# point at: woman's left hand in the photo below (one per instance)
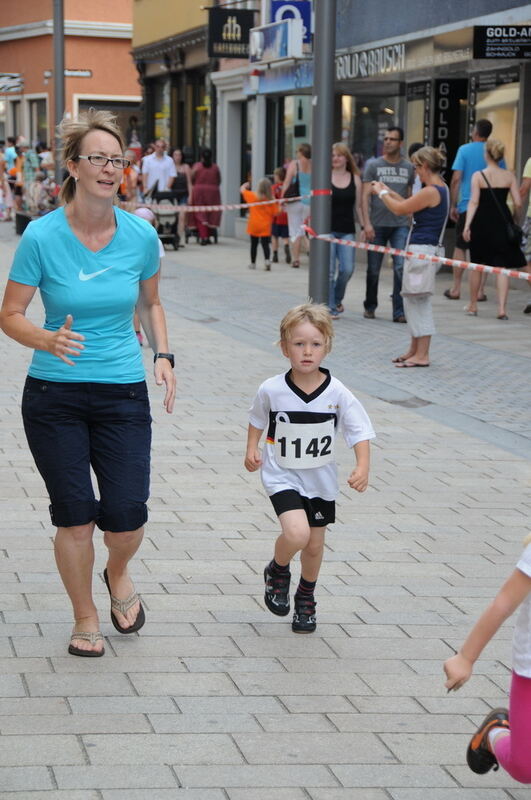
(164, 374)
(466, 234)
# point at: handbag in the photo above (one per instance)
(294, 188)
(419, 274)
(513, 232)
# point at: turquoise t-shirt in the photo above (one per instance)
(100, 290)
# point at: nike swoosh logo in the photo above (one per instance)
(84, 277)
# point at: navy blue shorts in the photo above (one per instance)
(280, 231)
(71, 427)
(319, 512)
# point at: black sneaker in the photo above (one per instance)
(304, 615)
(275, 258)
(276, 596)
(479, 757)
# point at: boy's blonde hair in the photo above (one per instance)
(264, 189)
(527, 539)
(317, 315)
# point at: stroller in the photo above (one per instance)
(167, 216)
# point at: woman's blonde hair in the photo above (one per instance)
(342, 149)
(317, 315)
(264, 190)
(73, 131)
(495, 149)
(431, 157)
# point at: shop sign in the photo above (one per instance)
(502, 41)
(447, 96)
(421, 90)
(229, 32)
(297, 9)
(368, 63)
(11, 82)
(277, 41)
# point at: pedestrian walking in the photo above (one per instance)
(382, 226)
(260, 219)
(280, 228)
(504, 736)
(301, 411)
(346, 207)
(430, 208)
(298, 183)
(85, 401)
(488, 225)
(525, 196)
(470, 157)
(206, 180)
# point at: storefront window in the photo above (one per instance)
(500, 106)
(38, 121)
(372, 118)
(297, 123)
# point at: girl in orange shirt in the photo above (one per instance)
(260, 220)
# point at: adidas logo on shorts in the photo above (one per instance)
(318, 515)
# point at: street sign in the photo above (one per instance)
(296, 9)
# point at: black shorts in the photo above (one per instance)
(319, 513)
(459, 228)
(280, 231)
(71, 427)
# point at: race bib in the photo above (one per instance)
(304, 446)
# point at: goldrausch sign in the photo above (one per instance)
(228, 32)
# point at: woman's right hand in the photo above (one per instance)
(66, 341)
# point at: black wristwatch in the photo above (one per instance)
(169, 356)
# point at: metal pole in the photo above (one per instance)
(58, 78)
(322, 133)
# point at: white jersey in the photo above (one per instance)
(522, 630)
(301, 431)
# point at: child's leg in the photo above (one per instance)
(295, 535)
(266, 245)
(274, 244)
(254, 248)
(312, 555)
(304, 620)
(513, 750)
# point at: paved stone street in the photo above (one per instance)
(216, 699)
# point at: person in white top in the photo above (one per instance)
(504, 736)
(158, 170)
(301, 411)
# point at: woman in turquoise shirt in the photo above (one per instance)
(299, 210)
(85, 400)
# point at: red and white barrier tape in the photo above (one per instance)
(450, 262)
(231, 206)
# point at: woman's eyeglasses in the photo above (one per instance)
(102, 161)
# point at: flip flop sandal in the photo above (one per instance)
(123, 607)
(398, 360)
(410, 365)
(93, 638)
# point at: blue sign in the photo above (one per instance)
(296, 9)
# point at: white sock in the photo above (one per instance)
(493, 733)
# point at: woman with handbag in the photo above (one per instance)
(429, 208)
(489, 227)
(296, 184)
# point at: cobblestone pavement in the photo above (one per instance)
(216, 699)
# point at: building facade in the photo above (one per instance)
(170, 53)
(411, 65)
(99, 70)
